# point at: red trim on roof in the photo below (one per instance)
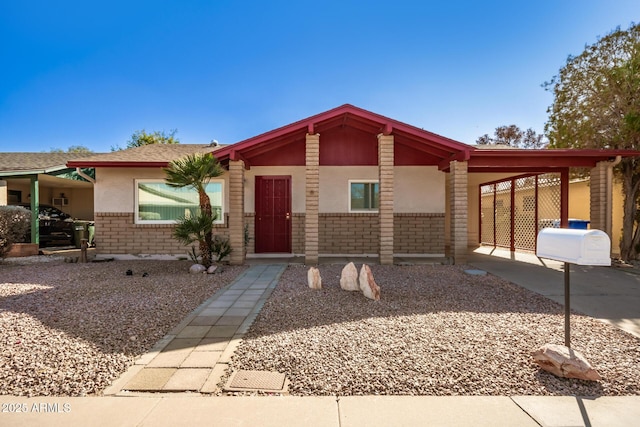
(360, 118)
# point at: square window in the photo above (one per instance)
(364, 196)
(159, 203)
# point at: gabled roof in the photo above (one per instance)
(35, 163)
(154, 155)
(358, 127)
(349, 116)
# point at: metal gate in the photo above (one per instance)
(513, 210)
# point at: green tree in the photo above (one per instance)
(195, 171)
(77, 149)
(513, 136)
(141, 137)
(597, 105)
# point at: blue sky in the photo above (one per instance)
(91, 73)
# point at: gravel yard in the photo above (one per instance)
(435, 331)
(71, 329)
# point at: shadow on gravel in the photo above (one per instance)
(435, 331)
(102, 304)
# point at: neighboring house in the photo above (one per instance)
(579, 191)
(343, 182)
(45, 178)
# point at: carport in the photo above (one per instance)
(44, 178)
(515, 192)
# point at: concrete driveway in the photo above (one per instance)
(606, 293)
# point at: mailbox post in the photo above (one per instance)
(581, 247)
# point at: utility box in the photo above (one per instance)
(582, 247)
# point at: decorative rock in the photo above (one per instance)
(314, 279)
(212, 269)
(368, 285)
(564, 362)
(197, 268)
(349, 278)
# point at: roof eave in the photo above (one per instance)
(118, 164)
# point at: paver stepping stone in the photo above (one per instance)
(212, 312)
(231, 320)
(222, 331)
(244, 304)
(204, 321)
(170, 359)
(220, 304)
(150, 379)
(212, 344)
(201, 359)
(215, 378)
(187, 380)
(193, 332)
(181, 344)
(236, 312)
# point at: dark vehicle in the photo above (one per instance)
(56, 227)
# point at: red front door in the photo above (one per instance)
(273, 214)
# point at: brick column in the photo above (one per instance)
(236, 211)
(458, 211)
(385, 209)
(600, 195)
(312, 185)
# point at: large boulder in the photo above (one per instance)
(349, 278)
(564, 362)
(314, 279)
(368, 285)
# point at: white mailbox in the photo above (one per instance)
(582, 247)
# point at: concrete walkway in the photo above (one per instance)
(189, 362)
(194, 356)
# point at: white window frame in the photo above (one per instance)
(361, 181)
(136, 205)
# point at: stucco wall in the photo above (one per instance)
(115, 188)
(416, 189)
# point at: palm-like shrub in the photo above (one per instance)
(196, 170)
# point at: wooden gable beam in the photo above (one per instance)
(236, 155)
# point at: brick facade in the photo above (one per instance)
(116, 233)
(349, 233)
(340, 233)
(418, 233)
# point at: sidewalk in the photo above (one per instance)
(169, 385)
(329, 411)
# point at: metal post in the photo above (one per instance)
(567, 308)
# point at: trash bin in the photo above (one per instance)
(578, 224)
(80, 231)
